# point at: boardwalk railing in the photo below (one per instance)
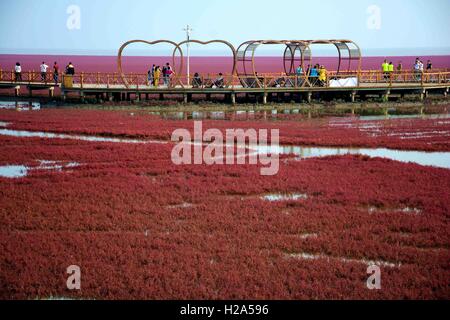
(138, 81)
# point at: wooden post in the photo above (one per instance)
(233, 98)
(51, 92)
(81, 80)
(17, 91)
(265, 98)
(353, 96)
(309, 97)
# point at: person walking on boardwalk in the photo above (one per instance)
(322, 76)
(390, 70)
(399, 70)
(430, 69)
(156, 76)
(150, 75)
(55, 72)
(169, 73)
(165, 75)
(385, 69)
(17, 72)
(314, 75)
(418, 69)
(44, 68)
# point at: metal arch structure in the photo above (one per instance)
(119, 57)
(296, 51)
(232, 48)
(245, 60)
(348, 51)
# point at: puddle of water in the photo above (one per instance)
(181, 205)
(308, 235)
(4, 124)
(437, 159)
(37, 134)
(405, 116)
(13, 171)
(309, 256)
(19, 171)
(273, 197)
(407, 210)
(20, 105)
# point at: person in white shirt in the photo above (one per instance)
(18, 72)
(418, 69)
(44, 68)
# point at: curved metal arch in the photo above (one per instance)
(342, 46)
(241, 55)
(233, 50)
(292, 48)
(123, 46)
(250, 47)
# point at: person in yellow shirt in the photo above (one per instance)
(322, 75)
(156, 76)
(385, 68)
(390, 69)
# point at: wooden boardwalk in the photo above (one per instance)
(137, 87)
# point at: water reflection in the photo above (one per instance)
(275, 114)
(20, 105)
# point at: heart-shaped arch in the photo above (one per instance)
(119, 57)
(233, 51)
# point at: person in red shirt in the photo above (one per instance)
(55, 72)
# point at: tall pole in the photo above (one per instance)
(188, 38)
